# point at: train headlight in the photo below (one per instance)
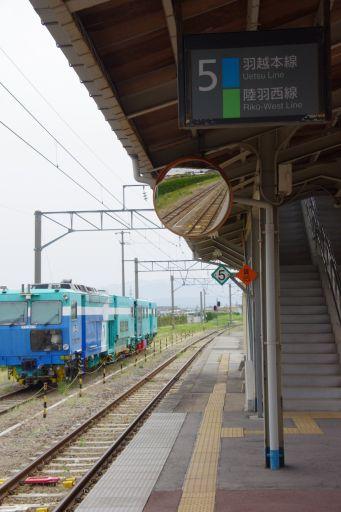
(66, 346)
(65, 297)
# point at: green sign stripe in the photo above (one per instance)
(231, 103)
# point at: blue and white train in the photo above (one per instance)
(48, 331)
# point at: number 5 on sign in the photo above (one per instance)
(203, 71)
(221, 274)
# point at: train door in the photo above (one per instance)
(84, 333)
(112, 331)
(138, 320)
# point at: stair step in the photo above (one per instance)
(307, 358)
(312, 348)
(301, 292)
(311, 392)
(297, 268)
(311, 380)
(308, 328)
(323, 337)
(302, 301)
(305, 319)
(311, 369)
(303, 276)
(317, 404)
(298, 283)
(300, 309)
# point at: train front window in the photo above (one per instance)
(47, 340)
(13, 313)
(46, 312)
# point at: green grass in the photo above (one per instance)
(165, 199)
(221, 321)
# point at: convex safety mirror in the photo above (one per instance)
(192, 197)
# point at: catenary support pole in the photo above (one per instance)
(172, 299)
(37, 246)
(122, 263)
(136, 265)
(204, 303)
(201, 310)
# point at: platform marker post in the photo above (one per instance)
(80, 378)
(45, 400)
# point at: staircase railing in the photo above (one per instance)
(324, 248)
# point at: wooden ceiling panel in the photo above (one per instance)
(294, 14)
(146, 81)
(117, 12)
(229, 19)
(140, 65)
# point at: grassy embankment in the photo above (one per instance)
(220, 321)
(170, 191)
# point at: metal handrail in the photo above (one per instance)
(324, 248)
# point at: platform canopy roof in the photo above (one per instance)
(125, 54)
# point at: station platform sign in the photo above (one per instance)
(273, 76)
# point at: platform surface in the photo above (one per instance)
(200, 452)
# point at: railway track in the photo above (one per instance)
(78, 459)
(13, 399)
(177, 212)
(196, 214)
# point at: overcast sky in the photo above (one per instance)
(30, 183)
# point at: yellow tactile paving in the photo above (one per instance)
(306, 425)
(201, 478)
(224, 363)
(317, 415)
(232, 432)
(287, 431)
(250, 432)
(291, 430)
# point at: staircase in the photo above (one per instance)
(310, 363)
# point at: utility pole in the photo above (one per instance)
(136, 265)
(122, 242)
(201, 316)
(204, 306)
(172, 299)
(37, 247)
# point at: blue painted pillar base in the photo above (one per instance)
(268, 458)
(274, 459)
(281, 458)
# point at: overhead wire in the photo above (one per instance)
(79, 185)
(103, 187)
(59, 143)
(49, 104)
(68, 151)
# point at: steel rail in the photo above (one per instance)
(36, 394)
(204, 216)
(179, 210)
(80, 486)
(10, 484)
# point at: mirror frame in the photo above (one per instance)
(210, 164)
